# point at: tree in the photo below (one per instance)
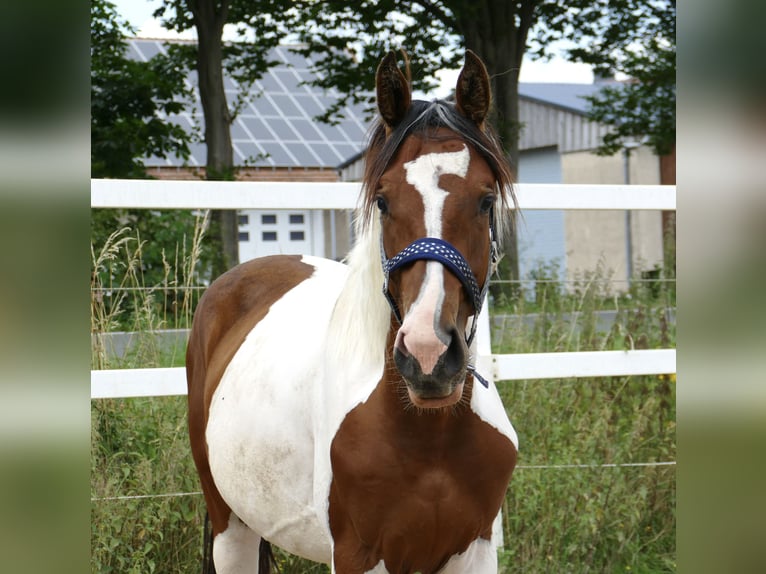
(639, 41)
(244, 62)
(130, 103)
(347, 40)
(128, 98)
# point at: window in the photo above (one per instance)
(297, 236)
(269, 236)
(244, 219)
(269, 219)
(244, 236)
(296, 218)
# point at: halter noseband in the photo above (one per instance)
(435, 249)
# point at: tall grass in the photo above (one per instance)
(121, 300)
(140, 446)
(559, 517)
(556, 517)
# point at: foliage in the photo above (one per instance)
(347, 40)
(139, 446)
(594, 518)
(128, 101)
(638, 39)
(244, 62)
(591, 519)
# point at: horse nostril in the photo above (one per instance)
(454, 358)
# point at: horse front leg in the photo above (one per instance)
(238, 550)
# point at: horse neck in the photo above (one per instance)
(361, 317)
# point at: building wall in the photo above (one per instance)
(596, 238)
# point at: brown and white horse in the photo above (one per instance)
(346, 425)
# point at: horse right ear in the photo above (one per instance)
(393, 92)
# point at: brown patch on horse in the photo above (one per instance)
(472, 93)
(228, 311)
(413, 487)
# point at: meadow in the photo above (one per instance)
(594, 490)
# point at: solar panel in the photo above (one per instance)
(278, 120)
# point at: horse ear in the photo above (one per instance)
(472, 92)
(393, 91)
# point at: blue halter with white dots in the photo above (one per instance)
(435, 249)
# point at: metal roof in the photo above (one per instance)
(567, 96)
(276, 128)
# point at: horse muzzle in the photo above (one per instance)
(433, 371)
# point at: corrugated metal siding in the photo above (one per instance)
(543, 126)
(546, 125)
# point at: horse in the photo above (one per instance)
(333, 408)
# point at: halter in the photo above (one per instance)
(435, 249)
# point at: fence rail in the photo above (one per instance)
(167, 194)
(162, 194)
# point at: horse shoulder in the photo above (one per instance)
(229, 310)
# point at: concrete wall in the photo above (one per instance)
(594, 237)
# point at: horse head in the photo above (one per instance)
(441, 185)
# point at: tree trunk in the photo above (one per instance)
(668, 177)
(497, 31)
(209, 19)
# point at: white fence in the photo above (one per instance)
(157, 194)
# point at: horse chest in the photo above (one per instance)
(413, 498)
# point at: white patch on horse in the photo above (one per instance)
(380, 568)
(235, 550)
(262, 427)
(479, 558)
(488, 406)
(420, 334)
(423, 174)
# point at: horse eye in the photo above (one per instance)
(486, 203)
(380, 201)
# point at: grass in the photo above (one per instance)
(555, 519)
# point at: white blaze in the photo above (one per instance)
(419, 326)
(423, 174)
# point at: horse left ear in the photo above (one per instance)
(472, 92)
(393, 92)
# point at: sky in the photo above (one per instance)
(139, 14)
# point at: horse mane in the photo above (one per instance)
(423, 119)
(360, 320)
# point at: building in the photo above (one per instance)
(275, 138)
(556, 146)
